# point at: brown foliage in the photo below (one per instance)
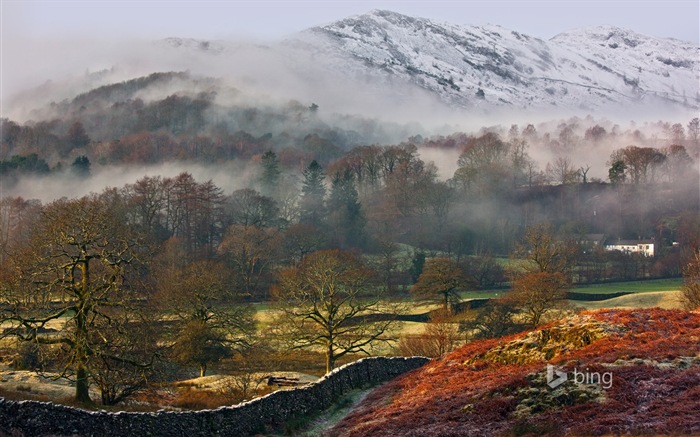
(690, 296)
(537, 293)
(441, 281)
(462, 394)
(439, 337)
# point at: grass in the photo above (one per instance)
(653, 285)
(315, 425)
(466, 295)
(648, 299)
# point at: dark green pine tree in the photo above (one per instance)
(616, 173)
(81, 166)
(313, 193)
(269, 180)
(345, 211)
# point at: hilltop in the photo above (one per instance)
(647, 362)
(383, 63)
(486, 67)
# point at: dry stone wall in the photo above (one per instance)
(32, 418)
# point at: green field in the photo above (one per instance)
(673, 284)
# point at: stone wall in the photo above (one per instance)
(32, 418)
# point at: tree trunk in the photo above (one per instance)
(330, 358)
(202, 369)
(82, 385)
(82, 392)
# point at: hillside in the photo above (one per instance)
(647, 362)
(482, 67)
(394, 66)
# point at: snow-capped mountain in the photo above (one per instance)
(386, 64)
(487, 66)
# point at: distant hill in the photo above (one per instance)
(627, 372)
(491, 66)
(383, 63)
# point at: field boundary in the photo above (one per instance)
(268, 412)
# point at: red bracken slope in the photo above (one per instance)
(651, 359)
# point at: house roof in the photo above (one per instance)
(628, 242)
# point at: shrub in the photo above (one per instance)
(27, 357)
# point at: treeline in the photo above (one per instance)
(157, 277)
(387, 202)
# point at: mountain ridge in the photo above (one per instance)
(513, 69)
(384, 62)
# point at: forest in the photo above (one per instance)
(320, 236)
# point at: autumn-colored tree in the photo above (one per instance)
(537, 293)
(79, 268)
(300, 240)
(640, 162)
(17, 216)
(441, 281)
(76, 136)
(327, 302)
(212, 316)
(148, 198)
(179, 207)
(595, 133)
(495, 319)
(483, 165)
(440, 336)
(690, 296)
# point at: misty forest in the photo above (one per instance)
(170, 226)
(270, 211)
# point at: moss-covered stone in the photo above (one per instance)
(548, 343)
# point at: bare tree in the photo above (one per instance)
(328, 302)
(79, 270)
(563, 171)
(544, 251)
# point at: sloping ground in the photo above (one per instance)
(650, 299)
(642, 369)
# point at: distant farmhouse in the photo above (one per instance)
(592, 241)
(645, 247)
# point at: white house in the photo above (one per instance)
(645, 247)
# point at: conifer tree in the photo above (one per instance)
(269, 180)
(312, 207)
(345, 210)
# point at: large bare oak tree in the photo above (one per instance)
(328, 302)
(77, 273)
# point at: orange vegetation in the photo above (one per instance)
(653, 356)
